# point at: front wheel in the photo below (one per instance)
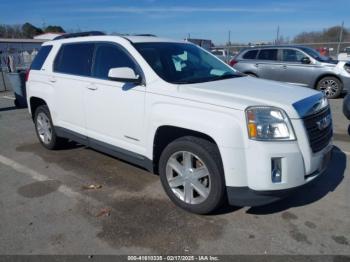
(330, 86)
(191, 173)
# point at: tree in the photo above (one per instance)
(54, 29)
(29, 31)
(330, 34)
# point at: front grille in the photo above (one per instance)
(318, 139)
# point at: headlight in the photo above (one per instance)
(268, 123)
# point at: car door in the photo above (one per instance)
(114, 110)
(72, 68)
(268, 65)
(294, 70)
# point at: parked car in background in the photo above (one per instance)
(346, 106)
(347, 50)
(297, 65)
(345, 56)
(224, 54)
(210, 132)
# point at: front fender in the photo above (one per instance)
(224, 127)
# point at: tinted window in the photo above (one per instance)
(290, 55)
(40, 58)
(75, 59)
(268, 54)
(250, 54)
(110, 56)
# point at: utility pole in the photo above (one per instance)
(278, 35)
(229, 37)
(340, 37)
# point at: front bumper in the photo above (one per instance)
(245, 196)
(346, 106)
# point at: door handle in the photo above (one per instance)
(52, 80)
(256, 65)
(284, 67)
(92, 87)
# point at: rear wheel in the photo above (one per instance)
(330, 86)
(191, 173)
(45, 129)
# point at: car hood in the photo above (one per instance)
(242, 92)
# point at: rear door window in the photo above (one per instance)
(110, 56)
(268, 54)
(250, 54)
(40, 58)
(75, 59)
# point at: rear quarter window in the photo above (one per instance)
(250, 54)
(75, 59)
(40, 58)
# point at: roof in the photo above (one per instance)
(133, 39)
(274, 46)
(47, 36)
(148, 39)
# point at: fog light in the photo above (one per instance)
(276, 170)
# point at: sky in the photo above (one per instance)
(249, 21)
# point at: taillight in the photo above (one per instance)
(27, 75)
(233, 62)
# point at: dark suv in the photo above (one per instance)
(297, 65)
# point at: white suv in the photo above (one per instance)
(211, 133)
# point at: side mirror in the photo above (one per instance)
(305, 60)
(124, 74)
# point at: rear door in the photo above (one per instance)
(268, 65)
(72, 69)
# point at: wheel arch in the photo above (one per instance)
(34, 103)
(166, 134)
(250, 73)
(318, 79)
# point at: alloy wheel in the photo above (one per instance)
(43, 126)
(329, 87)
(188, 177)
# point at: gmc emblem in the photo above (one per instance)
(324, 122)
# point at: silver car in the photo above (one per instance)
(296, 65)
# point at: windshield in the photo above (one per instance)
(314, 54)
(182, 63)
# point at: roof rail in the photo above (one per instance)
(89, 33)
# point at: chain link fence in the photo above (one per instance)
(15, 56)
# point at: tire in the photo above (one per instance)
(330, 86)
(44, 126)
(207, 189)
